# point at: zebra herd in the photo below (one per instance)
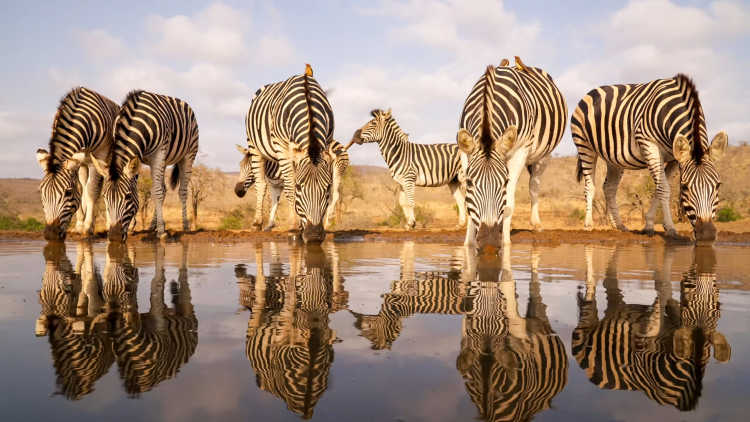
(513, 117)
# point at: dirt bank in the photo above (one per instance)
(550, 237)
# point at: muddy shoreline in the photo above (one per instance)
(547, 237)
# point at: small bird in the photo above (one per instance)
(519, 64)
(504, 62)
(308, 70)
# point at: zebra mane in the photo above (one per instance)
(67, 103)
(127, 104)
(313, 148)
(486, 135)
(696, 113)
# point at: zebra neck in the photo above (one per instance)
(393, 145)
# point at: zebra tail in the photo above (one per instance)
(174, 178)
(579, 169)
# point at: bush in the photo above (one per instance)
(422, 216)
(577, 214)
(14, 223)
(233, 220)
(726, 214)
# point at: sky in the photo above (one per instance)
(418, 57)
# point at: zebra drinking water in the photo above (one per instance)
(513, 118)
(657, 125)
(82, 128)
(413, 164)
(159, 131)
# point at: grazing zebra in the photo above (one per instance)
(513, 118)
(291, 122)
(159, 131)
(80, 354)
(151, 347)
(289, 343)
(413, 164)
(661, 350)
(657, 125)
(274, 178)
(81, 129)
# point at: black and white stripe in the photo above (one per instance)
(291, 122)
(513, 118)
(413, 164)
(82, 128)
(159, 131)
(657, 125)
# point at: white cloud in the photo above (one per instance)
(99, 45)
(274, 51)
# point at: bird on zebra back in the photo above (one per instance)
(661, 349)
(411, 164)
(81, 130)
(289, 342)
(71, 319)
(512, 119)
(291, 122)
(657, 125)
(156, 130)
(275, 181)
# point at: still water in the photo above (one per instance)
(372, 332)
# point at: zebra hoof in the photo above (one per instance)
(647, 231)
(672, 234)
(268, 228)
(588, 228)
(621, 227)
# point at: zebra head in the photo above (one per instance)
(120, 197)
(699, 183)
(375, 129)
(246, 178)
(312, 191)
(60, 191)
(486, 179)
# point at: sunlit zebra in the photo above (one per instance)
(660, 349)
(412, 164)
(291, 122)
(275, 181)
(156, 130)
(513, 118)
(657, 125)
(82, 128)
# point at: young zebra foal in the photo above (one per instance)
(159, 131)
(413, 164)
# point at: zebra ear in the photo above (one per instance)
(387, 114)
(507, 141)
(718, 146)
(682, 149)
(100, 166)
(41, 157)
(682, 343)
(296, 152)
(132, 168)
(243, 150)
(722, 349)
(466, 142)
(75, 161)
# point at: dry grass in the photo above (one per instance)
(369, 199)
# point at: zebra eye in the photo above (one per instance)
(469, 182)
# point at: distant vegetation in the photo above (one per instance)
(727, 213)
(30, 224)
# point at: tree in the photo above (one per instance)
(144, 192)
(202, 183)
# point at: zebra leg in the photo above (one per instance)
(535, 180)
(158, 189)
(406, 199)
(589, 190)
(336, 185)
(471, 233)
(83, 176)
(611, 183)
(662, 192)
(259, 171)
(158, 307)
(186, 169)
(459, 194)
(275, 197)
(91, 195)
(515, 165)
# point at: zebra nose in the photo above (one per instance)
(357, 137)
(239, 189)
(116, 232)
(54, 231)
(704, 231)
(313, 233)
(488, 237)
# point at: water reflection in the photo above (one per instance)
(512, 365)
(289, 343)
(93, 321)
(660, 349)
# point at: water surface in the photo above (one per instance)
(372, 331)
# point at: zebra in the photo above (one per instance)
(412, 164)
(513, 117)
(81, 129)
(151, 347)
(159, 131)
(657, 125)
(80, 354)
(289, 343)
(661, 350)
(274, 179)
(291, 122)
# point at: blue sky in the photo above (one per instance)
(418, 57)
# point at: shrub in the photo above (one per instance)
(233, 220)
(726, 214)
(422, 215)
(14, 223)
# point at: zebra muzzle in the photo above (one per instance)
(704, 231)
(239, 189)
(488, 237)
(54, 231)
(116, 232)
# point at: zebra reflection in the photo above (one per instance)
(512, 365)
(660, 349)
(289, 343)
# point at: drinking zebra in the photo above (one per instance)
(513, 118)
(81, 129)
(661, 350)
(413, 164)
(274, 179)
(291, 122)
(657, 125)
(159, 131)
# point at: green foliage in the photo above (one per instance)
(422, 216)
(577, 214)
(727, 213)
(233, 220)
(14, 223)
